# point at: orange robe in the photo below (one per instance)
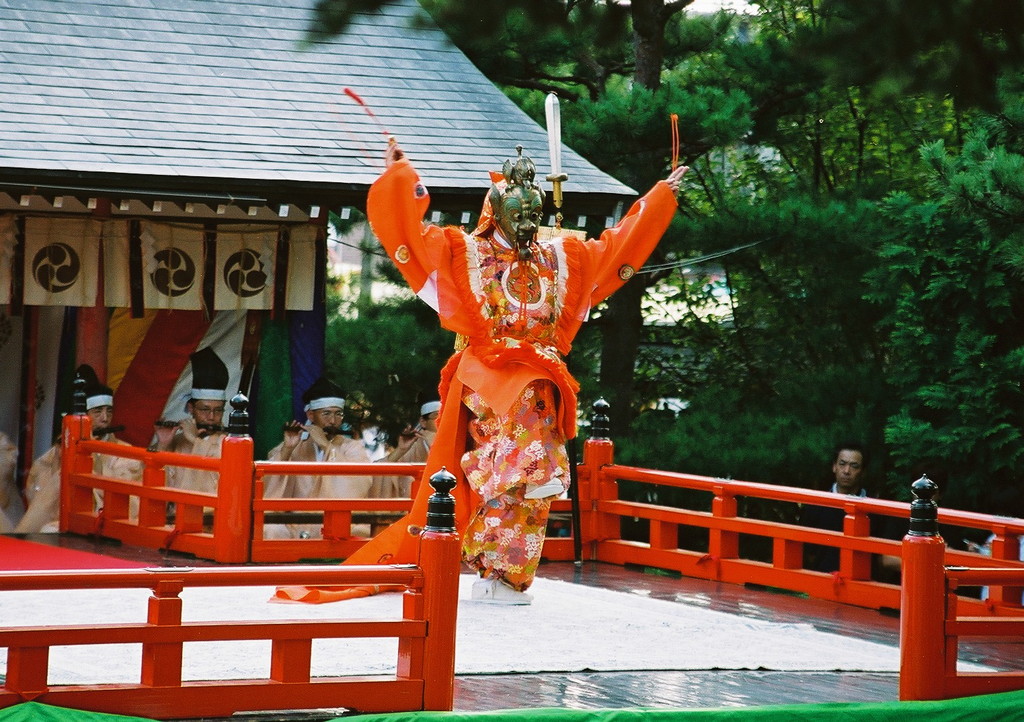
(515, 335)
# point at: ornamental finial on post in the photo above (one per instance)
(923, 510)
(600, 426)
(238, 419)
(441, 504)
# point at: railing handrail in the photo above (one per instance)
(336, 468)
(155, 459)
(867, 504)
(150, 577)
(984, 576)
(425, 630)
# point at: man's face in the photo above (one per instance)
(848, 467)
(100, 416)
(327, 417)
(519, 214)
(205, 411)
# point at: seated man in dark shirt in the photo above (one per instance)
(848, 471)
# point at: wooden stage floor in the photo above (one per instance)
(668, 688)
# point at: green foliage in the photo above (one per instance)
(792, 368)
(627, 130)
(387, 359)
(913, 46)
(956, 346)
(722, 435)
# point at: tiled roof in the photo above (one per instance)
(225, 94)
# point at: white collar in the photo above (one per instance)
(500, 238)
(835, 490)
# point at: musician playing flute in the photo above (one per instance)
(319, 439)
(202, 431)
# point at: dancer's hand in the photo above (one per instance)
(393, 154)
(676, 177)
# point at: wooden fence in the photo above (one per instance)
(424, 667)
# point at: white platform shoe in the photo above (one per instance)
(551, 488)
(495, 591)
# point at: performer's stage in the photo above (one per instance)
(600, 636)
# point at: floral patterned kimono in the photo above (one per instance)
(518, 401)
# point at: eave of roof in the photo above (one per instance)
(224, 97)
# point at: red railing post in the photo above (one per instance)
(852, 563)
(923, 603)
(27, 669)
(232, 520)
(161, 662)
(152, 512)
(75, 427)
(723, 544)
(440, 552)
(1005, 545)
(594, 486)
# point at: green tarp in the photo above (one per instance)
(1005, 706)
(35, 712)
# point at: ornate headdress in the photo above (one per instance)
(521, 172)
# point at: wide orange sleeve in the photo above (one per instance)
(620, 251)
(395, 207)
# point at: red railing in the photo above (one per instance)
(931, 624)
(225, 527)
(722, 557)
(337, 517)
(423, 680)
(719, 520)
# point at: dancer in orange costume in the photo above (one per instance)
(508, 401)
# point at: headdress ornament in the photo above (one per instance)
(521, 172)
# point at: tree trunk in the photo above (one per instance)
(367, 245)
(622, 325)
(621, 329)
(648, 41)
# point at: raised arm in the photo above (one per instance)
(620, 251)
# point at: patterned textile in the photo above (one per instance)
(513, 452)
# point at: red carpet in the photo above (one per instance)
(21, 555)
